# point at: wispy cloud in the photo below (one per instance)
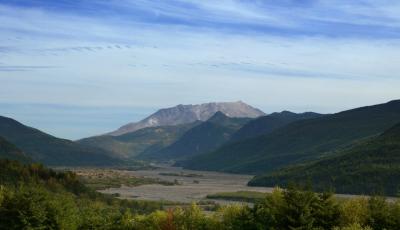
(7, 68)
(294, 18)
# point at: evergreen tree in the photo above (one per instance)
(298, 209)
(269, 213)
(379, 213)
(326, 211)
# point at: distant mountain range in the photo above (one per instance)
(371, 166)
(184, 114)
(152, 134)
(205, 126)
(299, 141)
(179, 142)
(50, 150)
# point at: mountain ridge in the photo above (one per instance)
(182, 114)
(299, 141)
(50, 150)
(204, 137)
(367, 167)
(146, 140)
(266, 124)
(11, 152)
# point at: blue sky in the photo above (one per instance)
(80, 68)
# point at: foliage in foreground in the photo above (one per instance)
(33, 197)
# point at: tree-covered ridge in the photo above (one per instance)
(266, 124)
(300, 141)
(10, 151)
(143, 141)
(50, 150)
(33, 197)
(372, 166)
(202, 138)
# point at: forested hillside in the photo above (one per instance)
(369, 167)
(50, 150)
(266, 124)
(143, 141)
(10, 151)
(300, 141)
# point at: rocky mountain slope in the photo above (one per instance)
(183, 114)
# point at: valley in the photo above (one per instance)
(187, 189)
(168, 184)
(223, 171)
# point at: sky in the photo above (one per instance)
(81, 68)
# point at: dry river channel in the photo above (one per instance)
(192, 185)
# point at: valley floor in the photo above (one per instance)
(173, 184)
(191, 185)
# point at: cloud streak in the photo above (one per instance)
(12, 68)
(288, 18)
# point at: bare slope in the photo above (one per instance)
(183, 114)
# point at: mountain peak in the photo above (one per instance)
(183, 114)
(218, 117)
(283, 113)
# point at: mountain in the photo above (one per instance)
(300, 141)
(146, 140)
(202, 138)
(11, 152)
(183, 114)
(366, 168)
(50, 150)
(266, 124)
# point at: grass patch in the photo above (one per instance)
(100, 179)
(181, 174)
(244, 196)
